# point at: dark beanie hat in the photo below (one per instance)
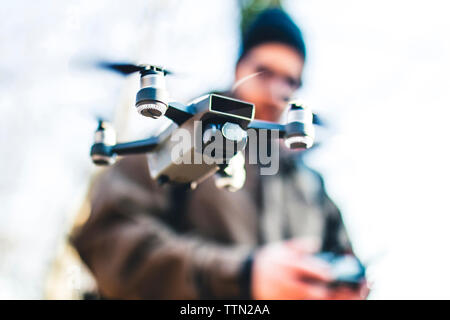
(272, 25)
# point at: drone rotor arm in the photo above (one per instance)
(179, 113)
(133, 147)
(267, 125)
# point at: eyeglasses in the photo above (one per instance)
(266, 73)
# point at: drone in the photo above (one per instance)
(221, 118)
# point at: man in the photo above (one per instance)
(147, 241)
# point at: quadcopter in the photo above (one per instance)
(221, 118)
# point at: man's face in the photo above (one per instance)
(278, 68)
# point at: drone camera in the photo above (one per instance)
(231, 135)
(227, 117)
(299, 127)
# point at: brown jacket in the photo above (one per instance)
(146, 241)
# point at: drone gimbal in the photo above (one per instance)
(221, 118)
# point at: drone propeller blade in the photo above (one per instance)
(129, 68)
(318, 120)
(122, 68)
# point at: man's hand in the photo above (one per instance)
(287, 270)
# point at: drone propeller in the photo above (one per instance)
(129, 68)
